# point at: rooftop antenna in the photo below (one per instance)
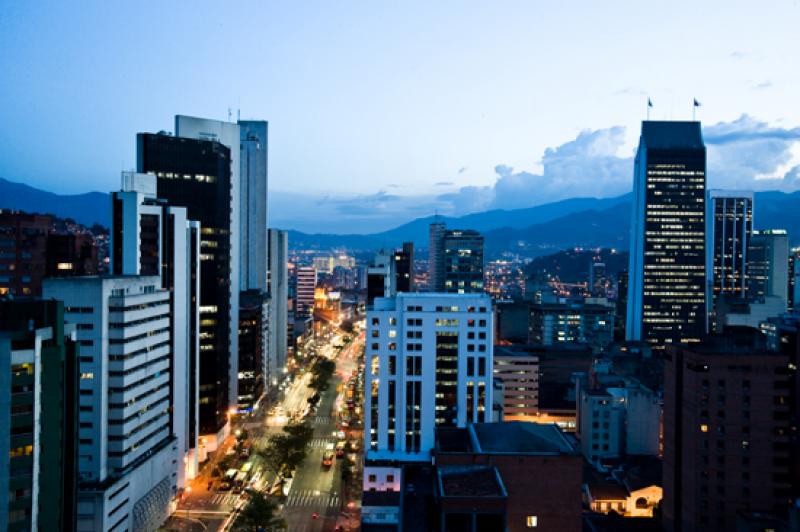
(229, 114)
(649, 106)
(695, 105)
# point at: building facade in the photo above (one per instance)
(436, 257)
(462, 253)
(726, 433)
(404, 268)
(729, 219)
(768, 266)
(519, 373)
(429, 364)
(667, 270)
(38, 416)
(149, 237)
(128, 453)
(306, 284)
(278, 289)
(590, 323)
(197, 174)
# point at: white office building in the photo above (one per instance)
(278, 288)
(429, 365)
(149, 237)
(128, 453)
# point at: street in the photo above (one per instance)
(314, 499)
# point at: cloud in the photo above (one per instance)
(762, 85)
(589, 165)
(745, 153)
(751, 154)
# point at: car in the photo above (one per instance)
(340, 449)
(327, 459)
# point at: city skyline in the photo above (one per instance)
(478, 124)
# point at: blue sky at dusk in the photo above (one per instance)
(384, 111)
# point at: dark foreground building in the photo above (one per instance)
(38, 417)
(727, 420)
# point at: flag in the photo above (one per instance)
(650, 103)
(696, 103)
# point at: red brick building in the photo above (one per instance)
(726, 432)
(538, 469)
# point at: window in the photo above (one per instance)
(389, 478)
(392, 321)
(372, 478)
(532, 521)
(376, 321)
(375, 333)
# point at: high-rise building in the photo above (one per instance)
(767, 264)
(726, 432)
(404, 268)
(667, 288)
(128, 454)
(429, 364)
(436, 257)
(149, 237)
(201, 174)
(729, 218)
(306, 284)
(278, 288)
(463, 261)
(253, 204)
(39, 375)
(253, 366)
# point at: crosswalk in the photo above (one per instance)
(224, 499)
(321, 420)
(320, 443)
(312, 498)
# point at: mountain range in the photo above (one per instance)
(533, 231)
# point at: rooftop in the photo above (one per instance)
(518, 437)
(670, 135)
(470, 481)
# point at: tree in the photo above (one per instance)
(259, 514)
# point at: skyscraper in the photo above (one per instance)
(429, 364)
(197, 174)
(463, 261)
(667, 289)
(436, 257)
(729, 224)
(149, 237)
(253, 204)
(768, 264)
(278, 288)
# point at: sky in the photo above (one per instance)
(381, 112)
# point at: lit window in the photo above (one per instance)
(532, 521)
(703, 428)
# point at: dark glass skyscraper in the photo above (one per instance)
(667, 296)
(196, 174)
(463, 261)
